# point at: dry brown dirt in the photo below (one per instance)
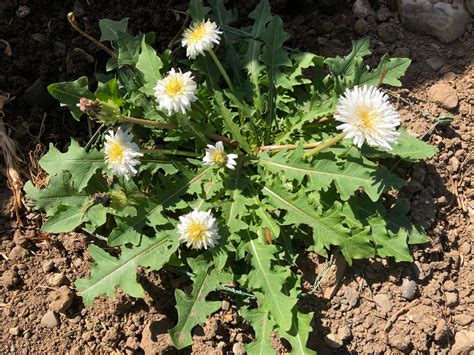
(375, 306)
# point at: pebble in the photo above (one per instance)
(454, 164)
(57, 279)
(383, 14)
(400, 342)
(463, 319)
(50, 320)
(61, 299)
(333, 341)
(463, 342)
(451, 299)
(344, 333)
(361, 26)
(362, 8)
(238, 349)
(14, 331)
(18, 253)
(465, 248)
(225, 305)
(351, 297)
(441, 330)
(48, 266)
(449, 286)
(10, 279)
(435, 63)
(383, 301)
(444, 95)
(408, 289)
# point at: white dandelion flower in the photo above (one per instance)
(198, 230)
(367, 115)
(121, 153)
(216, 155)
(176, 91)
(200, 37)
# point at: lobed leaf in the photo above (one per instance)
(110, 29)
(69, 93)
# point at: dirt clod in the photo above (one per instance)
(383, 301)
(18, 253)
(451, 299)
(48, 266)
(50, 320)
(444, 95)
(408, 289)
(57, 279)
(61, 299)
(10, 279)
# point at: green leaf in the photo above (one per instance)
(64, 219)
(347, 65)
(109, 29)
(110, 272)
(227, 115)
(387, 243)
(268, 283)
(109, 92)
(299, 333)
(358, 246)
(391, 70)
(81, 164)
(263, 327)
(69, 93)
(348, 177)
(193, 309)
(197, 10)
(150, 65)
(129, 48)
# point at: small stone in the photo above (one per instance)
(14, 331)
(225, 305)
(50, 320)
(19, 238)
(454, 164)
(48, 266)
(57, 279)
(344, 333)
(463, 319)
(18, 253)
(435, 63)
(383, 301)
(361, 26)
(401, 52)
(238, 349)
(383, 14)
(451, 299)
(400, 342)
(61, 299)
(221, 345)
(9, 279)
(465, 248)
(408, 289)
(441, 330)
(449, 286)
(444, 95)
(362, 8)
(333, 341)
(351, 297)
(463, 342)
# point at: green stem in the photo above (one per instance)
(146, 122)
(221, 69)
(324, 145)
(170, 152)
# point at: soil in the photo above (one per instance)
(374, 306)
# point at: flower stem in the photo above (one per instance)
(285, 146)
(221, 69)
(146, 122)
(324, 145)
(170, 152)
(71, 17)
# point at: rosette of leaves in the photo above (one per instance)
(271, 209)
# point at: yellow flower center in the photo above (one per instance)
(116, 152)
(175, 86)
(196, 231)
(197, 33)
(367, 117)
(220, 158)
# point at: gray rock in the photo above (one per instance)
(444, 95)
(388, 32)
(383, 14)
(333, 341)
(463, 342)
(469, 6)
(361, 26)
(57, 279)
(238, 349)
(408, 289)
(383, 301)
(18, 253)
(50, 320)
(48, 266)
(463, 319)
(435, 63)
(401, 52)
(451, 299)
(362, 8)
(61, 299)
(344, 333)
(444, 21)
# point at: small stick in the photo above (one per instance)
(399, 313)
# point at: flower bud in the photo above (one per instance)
(99, 110)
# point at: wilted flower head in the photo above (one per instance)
(367, 115)
(200, 37)
(176, 91)
(198, 229)
(121, 153)
(90, 107)
(216, 155)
